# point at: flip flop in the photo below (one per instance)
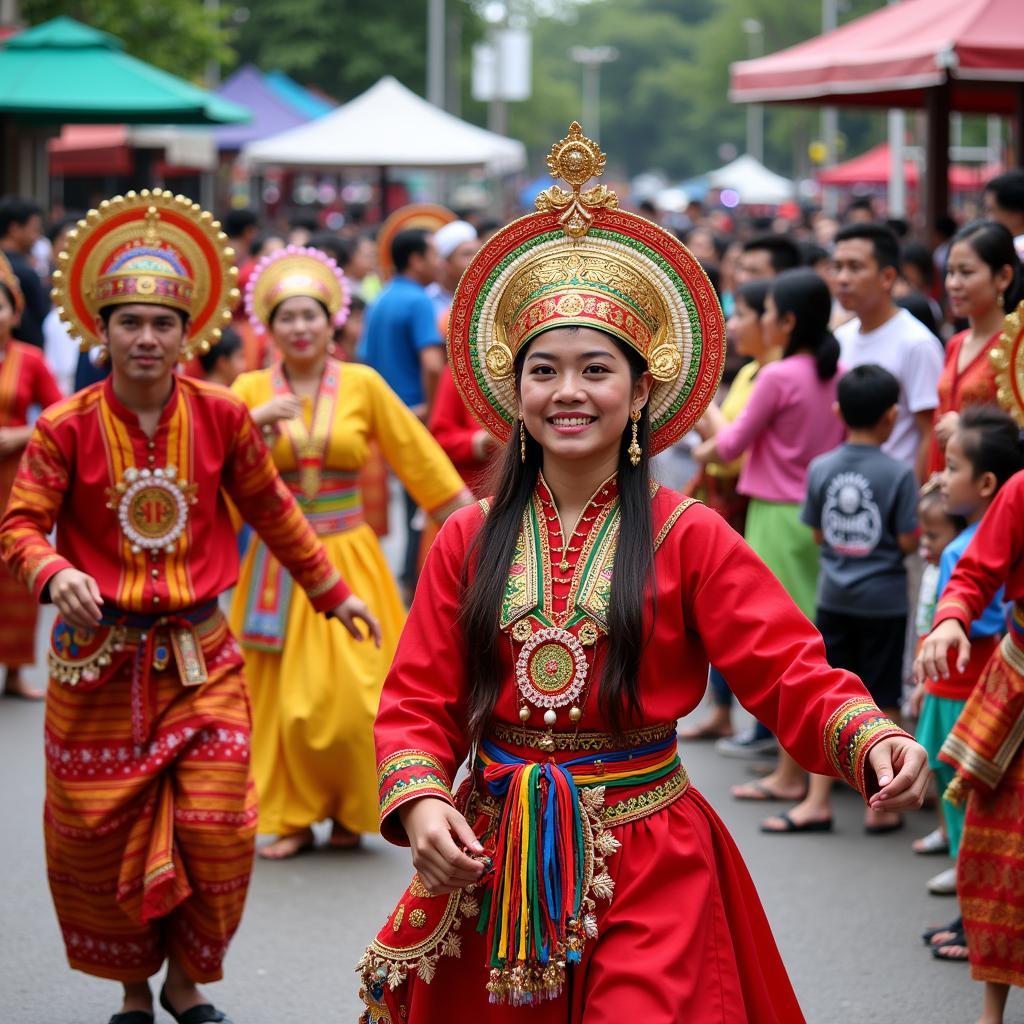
(945, 951)
(791, 826)
(760, 793)
(954, 927)
(204, 1013)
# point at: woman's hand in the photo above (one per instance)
(351, 610)
(705, 452)
(945, 428)
(437, 833)
(901, 767)
(77, 598)
(280, 407)
(932, 660)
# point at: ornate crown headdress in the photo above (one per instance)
(154, 248)
(580, 260)
(1008, 359)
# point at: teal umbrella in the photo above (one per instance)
(64, 72)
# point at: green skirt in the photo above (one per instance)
(787, 547)
(938, 716)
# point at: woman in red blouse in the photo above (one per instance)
(25, 381)
(983, 278)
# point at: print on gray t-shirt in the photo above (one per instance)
(862, 500)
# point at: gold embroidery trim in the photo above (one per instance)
(540, 739)
(648, 802)
(672, 520)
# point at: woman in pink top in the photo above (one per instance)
(788, 421)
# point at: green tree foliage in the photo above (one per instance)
(344, 46)
(664, 102)
(182, 37)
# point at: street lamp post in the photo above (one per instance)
(591, 58)
(755, 111)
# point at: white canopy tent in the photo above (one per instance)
(388, 126)
(755, 184)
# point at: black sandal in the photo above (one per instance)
(132, 1017)
(204, 1013)
(959, 941)
(955, 926)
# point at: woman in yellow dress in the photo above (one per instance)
(314, 688)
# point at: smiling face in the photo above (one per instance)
(576, 393)
(972, 288)
(301, 331)
(144, 341)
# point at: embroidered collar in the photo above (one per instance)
(530, 585)
(123, 413)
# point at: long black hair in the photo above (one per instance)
(993, 244)
(491, 554)
(804, 294)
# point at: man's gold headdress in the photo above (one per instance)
(152, 247)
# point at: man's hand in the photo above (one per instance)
(901, 767)
(933, 659)
(437, 835)
(12, 440)
(77, 598)
(280, 407)
(352, 609)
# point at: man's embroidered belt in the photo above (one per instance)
(550, 845)
(338, 504)
(88, 658)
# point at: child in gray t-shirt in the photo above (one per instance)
(862, 506)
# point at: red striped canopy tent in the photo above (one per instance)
(940, 55)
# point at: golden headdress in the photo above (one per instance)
(154, 248)
(296, 270)
(1008, 359)
(579, 260)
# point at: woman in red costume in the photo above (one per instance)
(985, 744)
(559, 630)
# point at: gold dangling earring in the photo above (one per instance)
(634, 451)
(522, 440)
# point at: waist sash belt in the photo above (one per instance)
(87, 658)
(548, 863)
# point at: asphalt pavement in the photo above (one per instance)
(846, 909)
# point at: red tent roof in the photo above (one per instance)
(889, 57)
(872, 168)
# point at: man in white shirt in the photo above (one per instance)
(1004, 202)
(865, 267)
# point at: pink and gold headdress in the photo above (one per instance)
(296, 270)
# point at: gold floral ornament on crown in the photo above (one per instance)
(152, 248)
(576, 159)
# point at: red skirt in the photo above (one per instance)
(684, 941)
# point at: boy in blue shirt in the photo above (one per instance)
(862, 506)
